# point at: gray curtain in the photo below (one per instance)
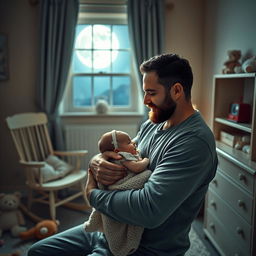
(58, 20)
(146, 29)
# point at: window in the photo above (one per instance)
(102, 66)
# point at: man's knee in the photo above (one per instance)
(34, 251)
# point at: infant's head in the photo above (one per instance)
(116, 141)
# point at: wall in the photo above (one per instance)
(18, 19)
(229, 24)
(184, 36)
(200, 30)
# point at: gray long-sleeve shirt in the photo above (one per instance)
(183, 160)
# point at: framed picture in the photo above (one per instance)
(4, 70)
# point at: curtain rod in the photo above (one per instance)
(95, 3)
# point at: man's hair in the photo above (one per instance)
(170, 69)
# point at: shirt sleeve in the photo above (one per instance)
(182, 170)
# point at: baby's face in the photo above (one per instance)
(125, 143)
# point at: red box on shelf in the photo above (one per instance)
(240, 112)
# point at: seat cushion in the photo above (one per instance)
(54, 168)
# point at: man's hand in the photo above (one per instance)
(105, 172)
(90, 184)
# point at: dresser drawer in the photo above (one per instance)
(235, 197)
(239, 230)
(241, 176)
(217, 233)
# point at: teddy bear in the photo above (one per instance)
(11, 217)
(41, 230)
(249, 65)
(232, 65)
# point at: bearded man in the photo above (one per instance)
(183, 161)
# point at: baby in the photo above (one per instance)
(121, 143)
(123, 239)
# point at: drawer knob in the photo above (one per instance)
(241, 176)
(241, 203)
(239, 231)
(213, 203)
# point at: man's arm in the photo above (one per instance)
(179, 174)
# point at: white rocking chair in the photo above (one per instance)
(31, 138)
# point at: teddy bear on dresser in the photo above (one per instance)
(249, 65)
(232, 65)
(11, 217)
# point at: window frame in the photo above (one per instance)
(135, 95)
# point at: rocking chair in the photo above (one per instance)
(32, 141)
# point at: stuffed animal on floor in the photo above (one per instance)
(11, 218)
(11, 254)
(41, 230)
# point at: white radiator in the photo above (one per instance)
(80, 137)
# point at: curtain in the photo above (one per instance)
(146, 29)
(58, 20)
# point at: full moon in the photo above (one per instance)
(101, 38)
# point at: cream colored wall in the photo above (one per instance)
(229, 24)
(184, 36)
(200, 30)
(18, 19)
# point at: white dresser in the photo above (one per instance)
(230, 207)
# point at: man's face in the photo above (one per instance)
(157, 98)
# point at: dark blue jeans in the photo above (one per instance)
(72, 242)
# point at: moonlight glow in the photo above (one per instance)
(101, 41)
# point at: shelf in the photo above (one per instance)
(237, 156)
(236, 172)
(241, 75)
(241, 126)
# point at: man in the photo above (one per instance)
(183, 159)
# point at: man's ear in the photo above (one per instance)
(176, 91)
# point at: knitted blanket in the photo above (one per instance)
(123, 239)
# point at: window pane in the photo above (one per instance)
(83, 37)
(101, 57)
(121, 62)
(101, 37)
(121, 91)
(121, 32)
(82, 61)
(82, 91)
(102, 88)
(101, 61)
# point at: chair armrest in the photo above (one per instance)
(71, 153)
(32, 164)
(78, 154)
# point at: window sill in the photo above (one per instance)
(96, 115)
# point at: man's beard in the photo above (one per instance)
(162, 113)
